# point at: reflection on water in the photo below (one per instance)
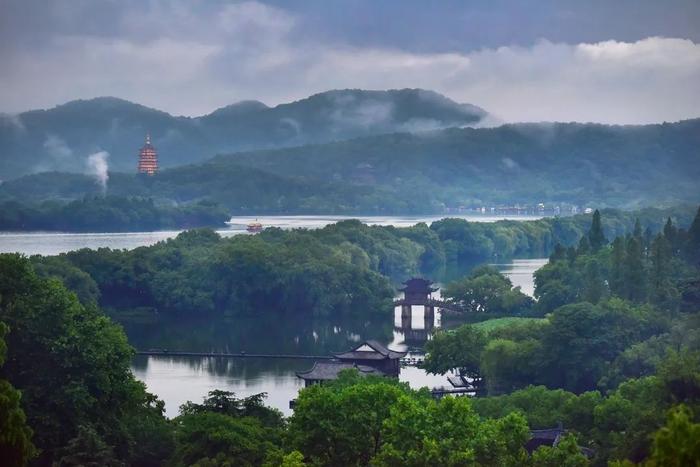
(520, 272)
(53, 243)
(179, 379)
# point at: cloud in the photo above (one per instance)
(13, 121)
(509, 163)
(57, 148)
(173, 57)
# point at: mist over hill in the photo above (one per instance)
(62, 138)
(581, 164)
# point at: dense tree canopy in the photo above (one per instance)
(619, 347)
(609, 359)
(109, 214)
(486, 290)
(72, 366)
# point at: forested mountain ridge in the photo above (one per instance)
(581, 164)
(61, 138)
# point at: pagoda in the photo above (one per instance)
(148, 158)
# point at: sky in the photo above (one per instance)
(622, 61)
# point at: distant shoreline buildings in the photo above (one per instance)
(148, 158)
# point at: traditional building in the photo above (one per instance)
(375, 355)
(418, 291)
(368, 358)
(328, 371)
(148, 158)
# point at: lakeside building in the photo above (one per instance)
(375, 355)
(148, 158)
(328, 371)
(368, 358)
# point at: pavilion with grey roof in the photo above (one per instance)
(373, 354)
(328, 371)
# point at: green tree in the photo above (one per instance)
(455, 349)
(507, 365)
(486, 290)
(677, 444)
(594, 286)
(635, 275)
(342, 423)
(663, 291)
(16, 446)
(565, 454)
(423, 432)
(596, 236)
(692, 244)
(71, 363)
(87, 449)
(618, 280)
(216, 439)
(582, 338)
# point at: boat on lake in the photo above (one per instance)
(254, 227)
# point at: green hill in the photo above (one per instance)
(62, 138)
(581, 164)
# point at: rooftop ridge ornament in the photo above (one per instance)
(148, 158)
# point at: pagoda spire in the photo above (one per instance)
(148, 158)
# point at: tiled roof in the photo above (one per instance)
(548, 437)
(329, 370)
(380, 352)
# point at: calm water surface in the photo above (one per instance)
(53, 243)
(179, 379)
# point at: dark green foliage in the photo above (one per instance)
(215, 439)
(83, 125)
(72, 365)
(582, 338)
(357, 421)
(596, 237)
(225, 402)
(16, 446)
(109, 214)
(87, 449)
(486, 290)
(572, 350)
(460, 348)
(199, 273)
(692, 244)
(226, 431)
(634, 271)
(631, 268)
(522, 163)
(342, 424)
(564, 454)
(544, 408)
(677, 443)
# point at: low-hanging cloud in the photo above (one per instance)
(168, 57)
(98, 167)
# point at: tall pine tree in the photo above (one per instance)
(692, 243)
(596, 237)
(663, 292)
(635, 276)
(617, 267)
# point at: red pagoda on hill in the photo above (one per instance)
(148, 158)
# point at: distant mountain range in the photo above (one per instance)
(584, 164)
(62, 138)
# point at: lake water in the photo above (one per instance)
(53, 243)
(179, 379)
